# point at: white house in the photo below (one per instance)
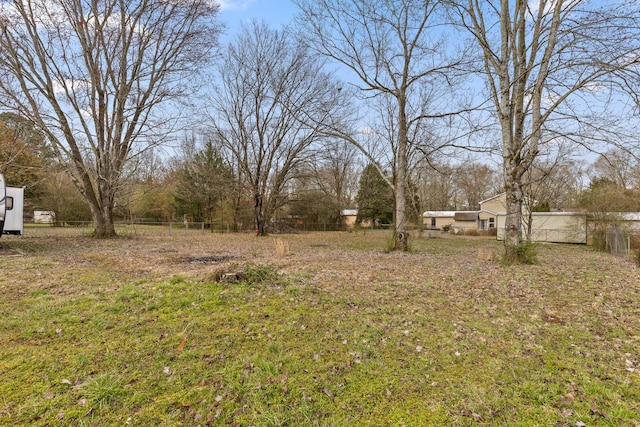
(557, 227)
(482, 219)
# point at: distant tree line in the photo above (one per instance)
(200, 183)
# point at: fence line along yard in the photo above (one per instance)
(85, 228)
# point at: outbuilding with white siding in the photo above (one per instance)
(551, 227)
(457, 220)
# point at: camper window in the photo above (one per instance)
(9, 203)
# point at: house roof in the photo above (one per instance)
(488, 211)
(623, 216)
(452, 214)
(349, 212)
(466, 216)
(562, 213)
(439, 214)
(492, 197)
(525, 199)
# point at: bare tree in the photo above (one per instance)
(550, 68)
(436, 185)
(475, 182)
(551, 183)
(23, 155)
(324, 184)
(396, 51)
(620, 167)
(97, 78)
(555, 183)
(603, 201)
(271, 89)
(142, 189)
(335, 169)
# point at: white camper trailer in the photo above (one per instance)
(11, 209)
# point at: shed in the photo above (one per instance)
(551, 227)
(631, 221)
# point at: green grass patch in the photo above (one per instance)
(338, 333)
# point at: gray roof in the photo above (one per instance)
(466, 216)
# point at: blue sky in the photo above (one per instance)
(274, 12)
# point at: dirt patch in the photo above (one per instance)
(209, 259)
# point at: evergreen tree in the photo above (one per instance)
(205, 181)
(375, 198)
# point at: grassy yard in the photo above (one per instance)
(208, 329)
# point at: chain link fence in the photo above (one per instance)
(618, 242)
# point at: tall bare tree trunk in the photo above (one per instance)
(103, 222)
(513, 222)
(259, 214)
(400, 216)
(102, 213)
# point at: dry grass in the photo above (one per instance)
(331, 331)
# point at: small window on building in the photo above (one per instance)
(9, 203)
(492, 222)
(433, 221)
